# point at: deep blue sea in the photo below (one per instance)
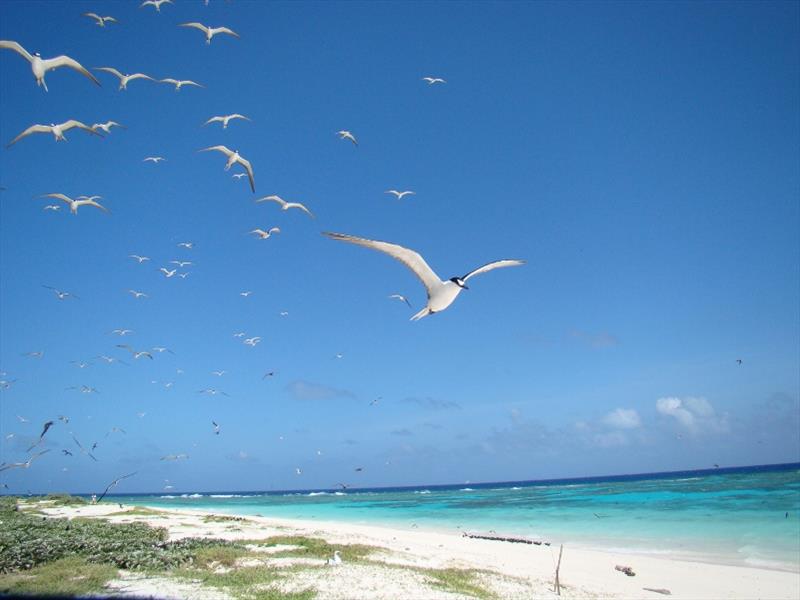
(744, 515)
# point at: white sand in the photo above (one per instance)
(513, 570)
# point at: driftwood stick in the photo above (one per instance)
(663, 591)
(558, 566)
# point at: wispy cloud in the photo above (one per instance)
(402, 432)
(601, 339)
(695, 414)
(623, 418)
(306, 390)
(433, 403)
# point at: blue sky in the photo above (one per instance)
(641, 157)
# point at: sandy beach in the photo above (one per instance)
(397, 564)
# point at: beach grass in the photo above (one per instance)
(225, 519)
(139, 511)
(457, 581)
(69, 576)
(312, 547)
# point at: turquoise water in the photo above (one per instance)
(738, 516)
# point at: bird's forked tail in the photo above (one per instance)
(423, 313)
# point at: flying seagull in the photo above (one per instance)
(118, 479)
(216, 427)
(154, 159)
(122, 332)
(41, 66)
(432, 80)
(181, 263)
(252, 341)
(219, 373)
(233, 158)
(261, 234)
(210, 31)
(225, 119)
(238, 175)
(167, 273)
(124, 79)
(246, 293)
(179, 83)
(346, 135)
(441, 294)
(100, 21)
(284, 204)
(83, 450)
(187, 245)
(136, 294)
(156, 3)
(107, 126)
(56, 130)
(399, 195)
(75, 204)
(401, 298)
(46, 426)
(174, 456)
(136, 354)
(35, 354)
(66, 452)
(23, 419)
(53, 207)
(59, 294)
(23, 465)
(141, 259)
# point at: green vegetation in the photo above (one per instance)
(458, 581)
(139, 511)
(224, 519)
(64, 500)
(27, 541)
(71, 576)
(315, 548)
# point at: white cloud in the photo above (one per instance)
(623, 418)
(695, 414)
(610, 439)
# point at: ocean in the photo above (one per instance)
(742, 516)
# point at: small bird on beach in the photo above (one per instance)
(335, 561)
(441, 294)
(210, 31)
(56, 129)
(124, 79)
(100, 21)
(233, 158)
(225, 119)
(40, 66)
(346, 135)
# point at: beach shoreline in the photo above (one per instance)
(517, 569)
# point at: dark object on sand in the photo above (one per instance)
(502, 538)
(659, 591)
(627, 570)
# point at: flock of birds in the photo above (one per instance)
(441, 293)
